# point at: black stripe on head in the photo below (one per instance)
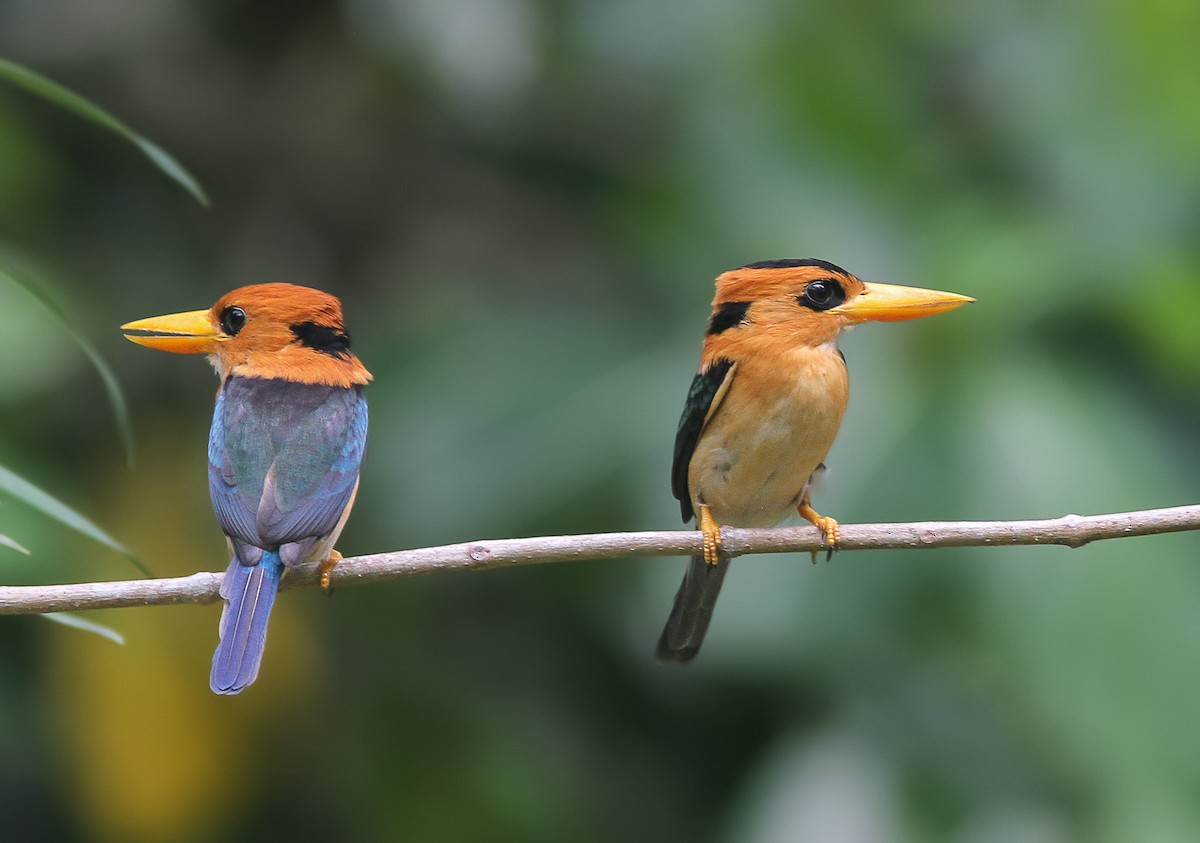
(729, 315)
(322, 338)
(790, 263)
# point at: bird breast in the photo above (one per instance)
(769, 434)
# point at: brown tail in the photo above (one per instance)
(684, 632)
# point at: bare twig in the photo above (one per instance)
(1070, 530)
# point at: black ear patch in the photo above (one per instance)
(728, 315)
(322, 338)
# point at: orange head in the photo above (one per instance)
(263, 330)
(809, 301)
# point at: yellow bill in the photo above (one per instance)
(892, 303)
(183, 333)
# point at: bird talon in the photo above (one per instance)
(831, 532)
(327, 571)
(712, 536)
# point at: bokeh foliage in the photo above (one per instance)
(522, 206)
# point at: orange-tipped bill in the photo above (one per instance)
(891, 303)
(184, 333)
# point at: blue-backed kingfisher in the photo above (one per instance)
(764, 410)
(284, 449)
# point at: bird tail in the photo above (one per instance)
(684, 632)
(249, 592)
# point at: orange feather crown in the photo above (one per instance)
(771, 279)
(288, 332)
(280, 331)
(789, 304)
(767, 295)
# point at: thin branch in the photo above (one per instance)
(1070, 530)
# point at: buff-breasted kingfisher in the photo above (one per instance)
(764, 409)
(287, 438)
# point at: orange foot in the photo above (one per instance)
(712, 536)
(831, 533)
(327, 570)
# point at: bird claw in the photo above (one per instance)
(712, 536)
(831, 534)
(831, 531)
(327, 571)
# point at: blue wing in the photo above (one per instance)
(284, 459)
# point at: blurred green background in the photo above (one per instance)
(522, 206)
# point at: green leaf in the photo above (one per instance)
(31, 495)
(116, 398)
(12, 544)
(49, 90)
(76, 622)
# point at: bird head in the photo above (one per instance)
(810, 301)
(263, 330)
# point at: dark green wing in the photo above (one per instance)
(706, 386)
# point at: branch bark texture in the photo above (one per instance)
(1069, 530)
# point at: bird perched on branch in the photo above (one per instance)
(287, 438)
(764, 410)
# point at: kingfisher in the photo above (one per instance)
(764, 409)
(284, 450)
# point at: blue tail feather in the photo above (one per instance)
(249, 592)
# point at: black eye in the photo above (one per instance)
(233, 319)
(822, 294)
